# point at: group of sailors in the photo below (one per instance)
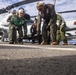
(53, 29)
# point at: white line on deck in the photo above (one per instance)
(39, 46)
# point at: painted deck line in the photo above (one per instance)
(39, 46)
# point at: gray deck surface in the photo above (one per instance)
(34, 59)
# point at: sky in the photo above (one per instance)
(61, 5)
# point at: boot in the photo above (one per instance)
(11, 42)
(44, 43)
(54, 43)
(65, 43)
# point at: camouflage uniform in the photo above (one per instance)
(49, 17)
(61, 30)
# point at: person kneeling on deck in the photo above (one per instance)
(33, 31)
(47, 13)
(18, 20)
(61, 30)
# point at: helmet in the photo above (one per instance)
(20, 11)
(21, 8)
(39, 4)
(14, 12)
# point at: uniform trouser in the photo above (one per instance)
(25, 30)
(19, 29)
(61, 35)
(33, 38)
(44, 33)
(38, 37)
(12, 33)
(48, 37)
(53, 29)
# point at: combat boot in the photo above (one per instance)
(65, 43)
(44, 43)
(54, 43)
(11, 42)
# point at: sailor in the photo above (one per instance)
(61, 25)
(33, 31)
(12, 31)
(47, 12)
(27, 17)
(17, 21)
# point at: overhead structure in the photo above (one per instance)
(54, 2)
(4, 10)
(67, 11)
(60, 12)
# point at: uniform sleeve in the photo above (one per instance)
(25, 26)
(12, 20)
(53, 14)
(59, 20)
(31, 28)
(63, 21)
(27, 16)
(9, 18)
(39, 24)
